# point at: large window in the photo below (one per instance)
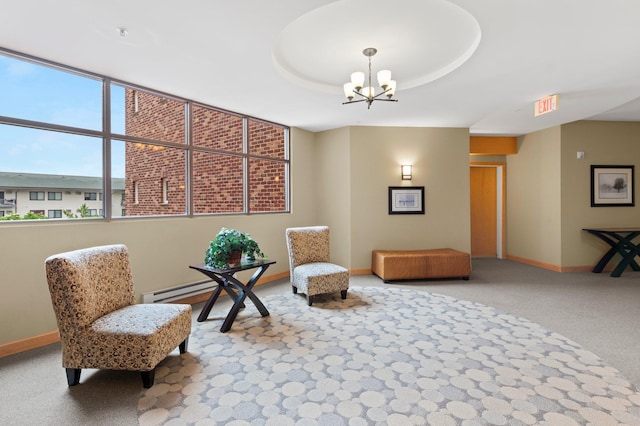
(156, 155)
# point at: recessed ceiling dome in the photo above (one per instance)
(419, 40)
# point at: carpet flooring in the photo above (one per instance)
(385, 355)
(599, 312)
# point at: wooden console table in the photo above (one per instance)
(227, 282)
(621, 242)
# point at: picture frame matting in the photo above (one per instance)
(406, 200)
(612, 186)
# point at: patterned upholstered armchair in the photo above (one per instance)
(99, 324)
(310, 269)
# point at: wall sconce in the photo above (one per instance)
(406, 172)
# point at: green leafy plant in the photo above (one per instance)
(228, 241)
(27, 216)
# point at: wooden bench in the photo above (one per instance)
(391, 265)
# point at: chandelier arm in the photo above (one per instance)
(380, 94)
(360, 94)
(353, 102)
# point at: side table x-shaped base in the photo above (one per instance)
(234, 288)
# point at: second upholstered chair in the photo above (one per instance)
(100, 325)
(310, 268)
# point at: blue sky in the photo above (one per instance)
(35, 92)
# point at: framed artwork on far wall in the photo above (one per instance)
(406, 200)
(612, 186)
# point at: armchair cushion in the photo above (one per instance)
(135, 337)
(320, 277)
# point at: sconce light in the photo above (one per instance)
(406, 172)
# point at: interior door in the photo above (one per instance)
(484, 212)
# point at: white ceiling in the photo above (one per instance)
(464, 63)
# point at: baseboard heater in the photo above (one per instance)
(179, 292)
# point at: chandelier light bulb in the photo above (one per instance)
(348, 90)
(384, 77)
(357, 79)
(391, 89)
(368, 92)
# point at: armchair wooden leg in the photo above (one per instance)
(148, 378)
(309, 300)
(184, 345)
(73, 376)
(343, 293)
(295, 289)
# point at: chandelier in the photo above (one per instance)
(367, 94)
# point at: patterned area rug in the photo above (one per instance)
(385, 356)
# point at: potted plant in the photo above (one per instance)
(228, 247)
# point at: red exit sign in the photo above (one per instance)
(546, 104)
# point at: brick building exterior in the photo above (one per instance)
(156, 174)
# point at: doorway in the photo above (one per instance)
(487, 191)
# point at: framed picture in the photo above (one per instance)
(612, 186)
(406, 200)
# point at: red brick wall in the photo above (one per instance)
(217, 176)
(217, 183)
(266, 140)
(149, 165)
(157, 117)
(267, 183)
(161, 119)
(266, 178)
(216, 130)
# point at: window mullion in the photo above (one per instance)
(188, 115)
(245, 165)
(106, 143)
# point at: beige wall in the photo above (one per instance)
(549, 192)
(161, 249)
(333, 191)
(603, 143)
(487, 158)
(340, 178)
(533, 198)
(440, 159)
